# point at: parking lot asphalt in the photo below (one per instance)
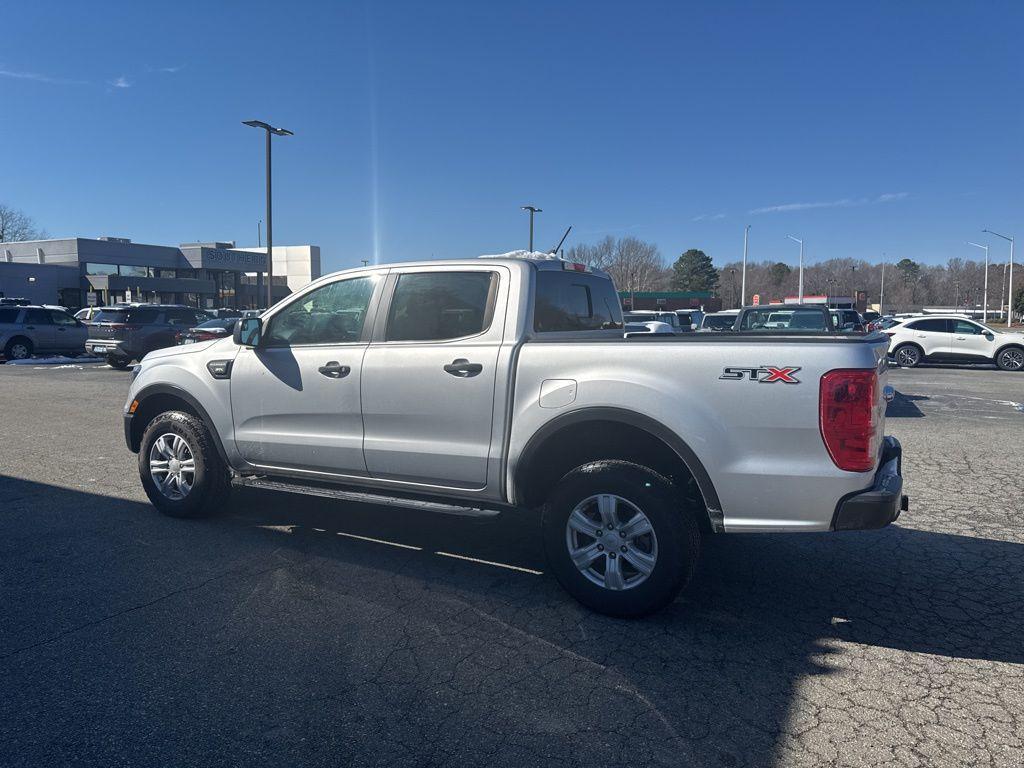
(296, 631)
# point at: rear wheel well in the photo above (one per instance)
(153, 406)
(584, 442)
(21, 338)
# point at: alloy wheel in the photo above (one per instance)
(172, 466)
(611, 541)
(1012, 359)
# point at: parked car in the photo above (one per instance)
(804, 319)
(652, 327)
(34, 329)
(848, 321)
(124, 334)
(954, 339)
(649, 315)
(223, 312)
(719, 321)
(690, 319)
(477, 386)
(217, 328)
(86, 314)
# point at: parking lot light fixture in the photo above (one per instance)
(743, 277)
(800, 291)
(984, 306)
(270, 131)
(1009, 291)
(532, 211)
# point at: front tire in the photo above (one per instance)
(620, 538)
(181, 471)
(908, 356)
(1010, 359)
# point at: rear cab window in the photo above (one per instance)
(575, 301)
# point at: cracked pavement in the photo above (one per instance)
(270, 635)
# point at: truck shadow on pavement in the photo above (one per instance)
(276, 617)
(904, 406)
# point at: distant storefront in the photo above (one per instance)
(78, 272)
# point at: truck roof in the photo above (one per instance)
(539, 260)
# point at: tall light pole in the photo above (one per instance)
(270, 131)
(532, 211)
(881, 291)
(800, 291)
(1009, 291)
(743, 276)
(984, 307)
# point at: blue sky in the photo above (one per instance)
(422, 127)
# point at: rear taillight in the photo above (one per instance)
(850, 418)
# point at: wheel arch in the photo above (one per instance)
(1006, 346)
(616, 433)
(19, 337)
(159, 398)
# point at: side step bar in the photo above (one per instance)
(361, 497)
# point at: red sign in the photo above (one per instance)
(756, 301)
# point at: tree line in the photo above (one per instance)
(636, 265)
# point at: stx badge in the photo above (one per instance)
(766, 374)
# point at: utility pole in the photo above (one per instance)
(259, 233)
(1009, 293)
(800, 291)
(984, 308)
(881, 291)
(743, 276)
(532, 211)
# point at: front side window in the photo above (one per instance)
(436, 306)
(332, 314)
(60, 317)
(963, 327)
(571, 301)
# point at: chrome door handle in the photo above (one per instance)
(334, 370)
(30, 327)
(463, 368)
(961, 338)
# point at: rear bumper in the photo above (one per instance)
(880, 504)
(104, 347)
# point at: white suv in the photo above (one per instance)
(954, 339)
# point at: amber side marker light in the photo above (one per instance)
(133, 406)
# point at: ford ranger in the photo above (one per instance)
(478, 386)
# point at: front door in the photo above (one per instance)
(970, 341)
(429, 376)
(295, 398)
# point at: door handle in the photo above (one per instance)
(30, 327)
(463, 368)
(961, 338)
(333, 370)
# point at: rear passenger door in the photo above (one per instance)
(39, 328)
(933, 335)
(429, 375)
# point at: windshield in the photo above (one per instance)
(719, 322)
(794, 320)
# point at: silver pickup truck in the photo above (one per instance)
(477, 386)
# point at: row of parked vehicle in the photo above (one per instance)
(779, 317)
(121, 333)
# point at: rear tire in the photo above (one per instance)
(908, 355)
(18, 348)
(1010, 359)
(120, 363)
(181, 471)
(591, 518)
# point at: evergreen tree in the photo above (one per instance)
(693, 271)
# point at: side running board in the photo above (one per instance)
(361, 497)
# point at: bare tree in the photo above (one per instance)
(16, 225)
(635, 265)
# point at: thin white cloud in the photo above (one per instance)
(846, 202)
(38, 78)
(171, 70)
(121, 82)
(708, 217)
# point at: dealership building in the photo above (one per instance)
(79, 271)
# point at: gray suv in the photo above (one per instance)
(123, 334)
(33, 329)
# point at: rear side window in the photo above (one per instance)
(110, 316)
(935, 325)
(9, 314)
(143, 315)
(435, 306)
(574, 301)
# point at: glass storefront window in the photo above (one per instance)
(129, 270)
(100, 269)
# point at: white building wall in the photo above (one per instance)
(299, 263)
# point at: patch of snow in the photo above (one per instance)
(536, 255)
(59, 360)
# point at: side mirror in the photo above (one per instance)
(990, 336)
(248, 331)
